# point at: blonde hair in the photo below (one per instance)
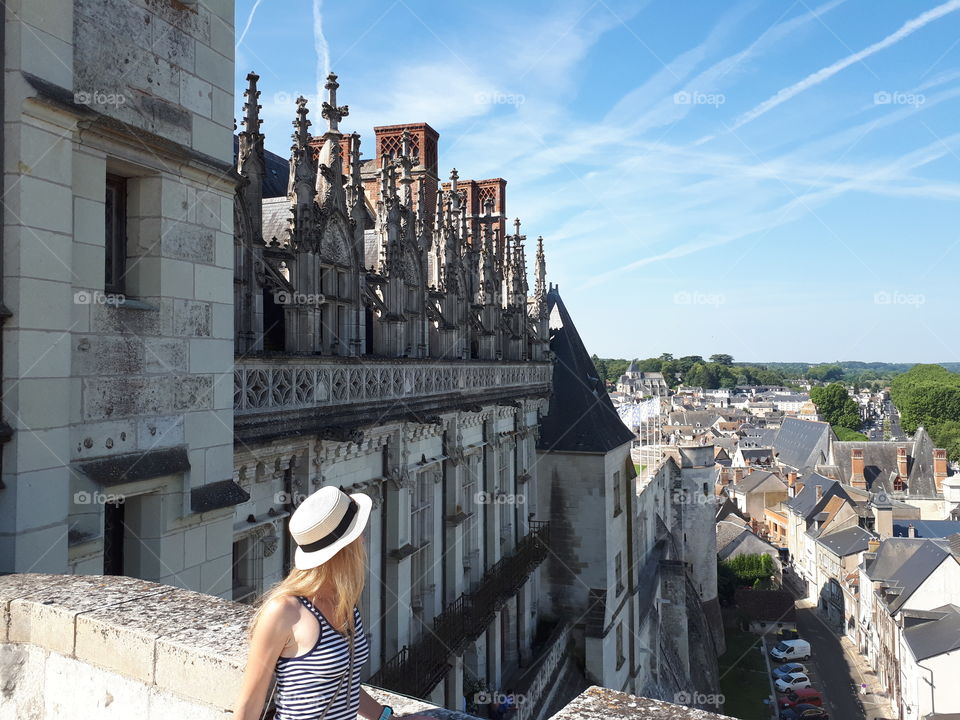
(340, 578)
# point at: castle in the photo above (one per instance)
(203, 333)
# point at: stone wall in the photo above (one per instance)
(95, 382)
(91, 648)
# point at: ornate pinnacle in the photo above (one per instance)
(251, 108)
(331, 112)
(516, 224)
(301, 135)
(488, 207)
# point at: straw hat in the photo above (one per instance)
(326, 522)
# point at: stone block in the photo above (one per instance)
(46, 618)
(104, 438)
(89, 174)
(38, 353)
(165, 355)
(211, 138)
(177, 278)
(193, 392)
(173, 45)
(160, 431)
(208, 355)
(190, 318)
(112, 319)
(213, 283)
(45, 205)
(46, 56)
(216, 576)
(188, 242)
(88, 265)
(196, 94)
(39, 402)
(108, 354)
(213, 66)
(195, 546)
(13, 587)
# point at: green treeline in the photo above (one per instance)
(929, 395)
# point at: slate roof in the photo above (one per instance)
(633, 367)
(277, 173)
(935, 637)
(880, 463)
(276, 214)
(849, 541)
(581, 417)
(705, 418)
(731, 543)
(911, 575)
(757, 478)
(927, 528)
(805, 503)
(802, 443)
(759, 454)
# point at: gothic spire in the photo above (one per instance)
(540, 286)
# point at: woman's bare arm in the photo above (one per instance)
(273, 631)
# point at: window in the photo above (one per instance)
(420, 536)
(617, 509)
(244, 571)
(620, 657)
(115, 237)
(618, 571)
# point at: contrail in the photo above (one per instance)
(249, 22)
(323, 48)
(908, 28)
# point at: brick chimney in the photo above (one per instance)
(791, 479)
(423, 146)
(939, 467)
(873, 545)
(819, 493)
(911, 531)
(857, 478)
(737, 474)
(903, 467)
(724, 476)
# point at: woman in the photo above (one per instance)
(304, 628)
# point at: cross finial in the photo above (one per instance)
(453, 180)
(516, 224)
(331, 112)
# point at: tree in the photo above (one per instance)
(601, 365)
(836, 406)
(722, 359)
(825, 373)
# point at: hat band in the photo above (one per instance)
(338, 532)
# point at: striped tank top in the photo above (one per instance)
(306, 683)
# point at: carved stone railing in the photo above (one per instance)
(303, 382)
(416, 669)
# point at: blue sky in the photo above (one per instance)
(775, 180)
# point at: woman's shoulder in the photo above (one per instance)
(282, 610)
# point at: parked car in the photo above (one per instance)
(792, 682)
(801, 696)
(791, 650)
(787, 668)
(803, 712)
(786, 634)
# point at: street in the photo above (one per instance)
(830, 671)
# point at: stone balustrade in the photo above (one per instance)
(92, 647)
(297, 382)
(279, 396)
